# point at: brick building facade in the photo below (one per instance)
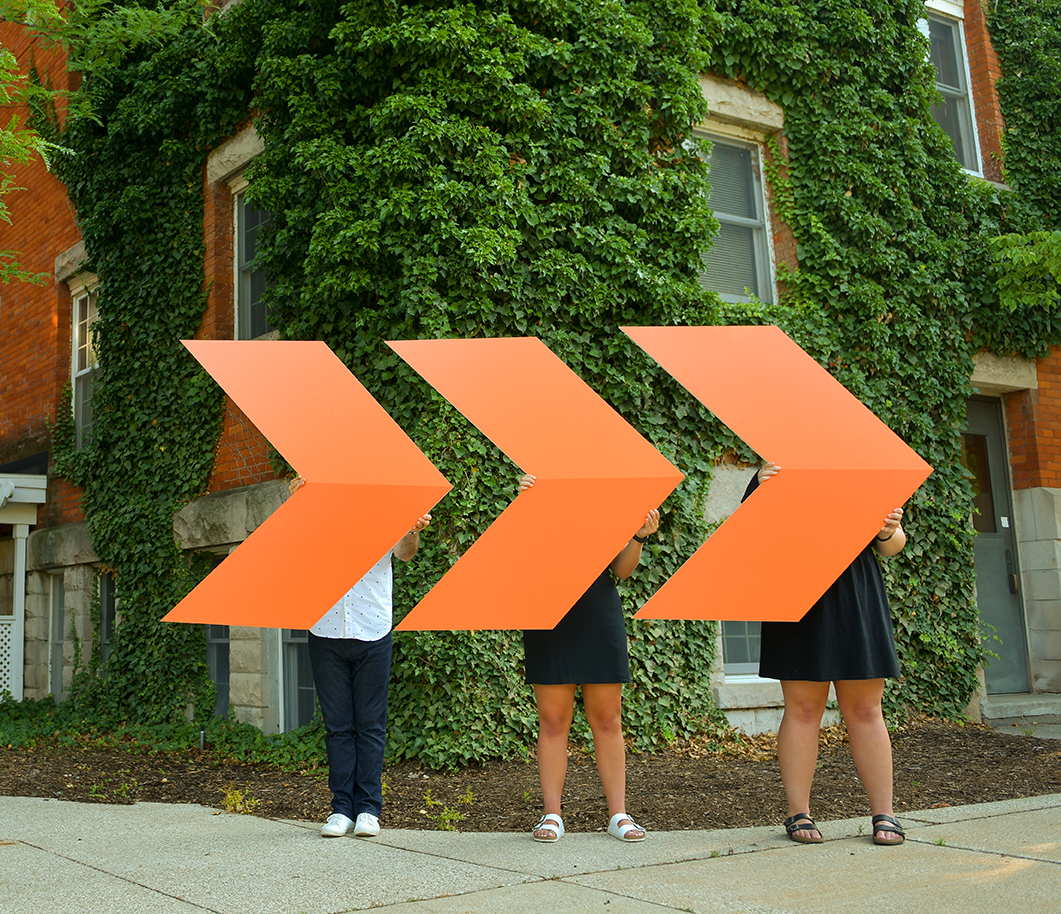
(50, 575)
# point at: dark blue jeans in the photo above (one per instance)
(351, 679)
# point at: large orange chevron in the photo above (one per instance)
(366, 484)
(597, 478)
(842, 471)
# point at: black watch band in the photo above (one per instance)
(640, 539)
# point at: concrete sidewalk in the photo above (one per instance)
(178, 859)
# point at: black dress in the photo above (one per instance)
(587, 645)
(847, 634)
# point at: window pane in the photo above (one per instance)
(730, 266)
(217, 660)
(732, 181)
(974, 459)
(86, 317)
(737, 265)
(58, 636)
(954, 113)
(253, 315)
(944, 54)
(106, 616)
(300, 696)
(950, 115)
(83, 407)
(740, 647)
(85, 360)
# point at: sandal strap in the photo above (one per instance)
(801, 821)
(886, 823)
(549, 819)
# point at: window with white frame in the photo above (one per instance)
(740, 648)
(252, 315)
(85, 362)
(217, 652)
(954, 112)
(217, 661)
(738, 265)
(300, 695)
(57, 636)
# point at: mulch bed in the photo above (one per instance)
(687, 786)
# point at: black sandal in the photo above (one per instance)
(801, 821)
(887, 824)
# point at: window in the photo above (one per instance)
(107, 615)
(57, 637)
(740, 648)
(738, 265)
(217, 663)
(85, 362)
(252, 315)
(300, 696)
(954, 113)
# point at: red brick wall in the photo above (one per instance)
(1033, 418)
(35, 335)
(984, 70)
(35, 320)
(219, 319)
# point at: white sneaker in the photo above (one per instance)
(367, 825)
(336, 826)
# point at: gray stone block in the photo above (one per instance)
(728, 483)
(1038, 513)
(36, 629)
(1045, 646)
(1046, 676)
(59, 547)
(1040, 555)
(745, 695)
(227, 518)
(245, 690)
(1042, 585)
(38, 584)
(244, 657)
(262, 501)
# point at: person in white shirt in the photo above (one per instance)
(350, 654)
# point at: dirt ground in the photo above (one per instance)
(685, 787)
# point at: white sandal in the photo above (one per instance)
(549, 822)
(621, 831)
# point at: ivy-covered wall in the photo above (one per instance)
(508, 168)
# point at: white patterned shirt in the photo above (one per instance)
(365, 612)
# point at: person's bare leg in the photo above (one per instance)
(556, 705)
(604, 704)
(871, 745)
(797, 743)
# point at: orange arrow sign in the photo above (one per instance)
(842, 471)
(597, 478)
(367, 483)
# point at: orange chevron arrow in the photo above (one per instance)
(842, 471)
(367, 483)
(597, 478)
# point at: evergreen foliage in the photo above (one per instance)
(495, 169)
(1027, 37)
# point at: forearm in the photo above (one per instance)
(626, 561)
(891, 546)
(408, 546)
